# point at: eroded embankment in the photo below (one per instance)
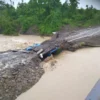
(20, 69)
(18, 72)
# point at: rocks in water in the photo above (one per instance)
(49, 66)
(48, 58)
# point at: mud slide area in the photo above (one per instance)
(24, 69)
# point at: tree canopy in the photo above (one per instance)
(44, 16)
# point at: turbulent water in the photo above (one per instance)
(19, 42)
(74, 77)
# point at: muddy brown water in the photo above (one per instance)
(72, 79)
(19, 42)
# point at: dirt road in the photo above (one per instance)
(84, 34)
(72, 76)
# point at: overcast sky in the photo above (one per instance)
(83, 3)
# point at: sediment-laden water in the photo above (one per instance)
(72, 79)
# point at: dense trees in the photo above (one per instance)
(45, 15)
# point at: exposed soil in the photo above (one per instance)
(18, 70)
(11, 62)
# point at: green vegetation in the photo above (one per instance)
(45, 16)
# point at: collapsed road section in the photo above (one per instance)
(20, 69)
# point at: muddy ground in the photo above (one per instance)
(11, 69)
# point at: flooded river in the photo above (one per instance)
(72, 79)
(19, 42)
